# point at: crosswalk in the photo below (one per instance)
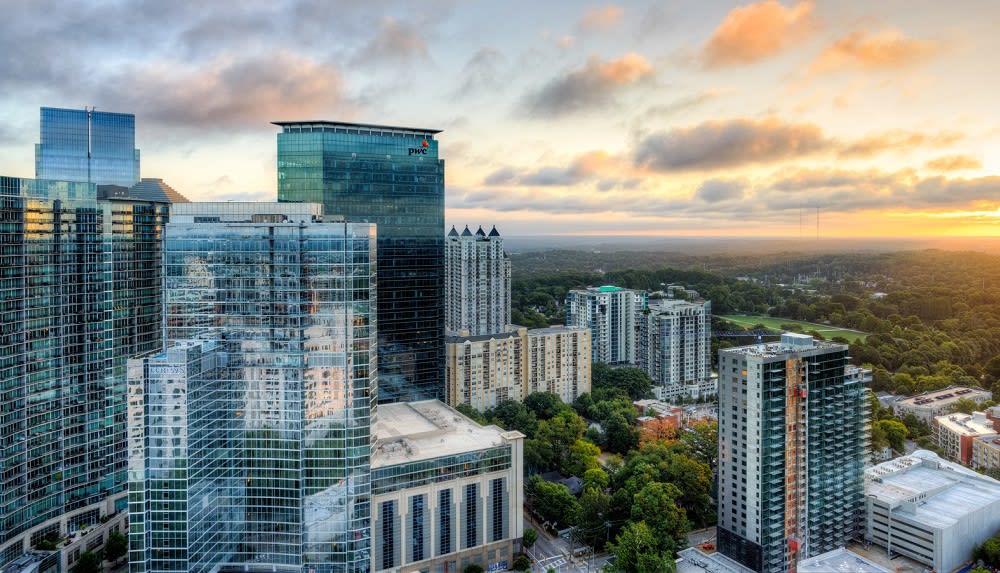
(556, 562)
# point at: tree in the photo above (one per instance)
(558, 435)
(521, 563)
(660, 429)
(702, 441)
(656, 506)
(989, 551)
(592, 518)
(513, 415)
(552, 501)
(620, 435)
(473, 568)
(88, 563)
(116, 546)
(529, 538)
(583, 456)
(895, 432)
(964, 405)
(545, 405)
(636, 551)
(471, 412)
(596, 478)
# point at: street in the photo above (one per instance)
(551, 552)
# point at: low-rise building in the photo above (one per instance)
(986, 452)
(930, 404)
(446, 492)
(954, 433)
(929, 509)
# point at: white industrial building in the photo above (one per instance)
(930, 510)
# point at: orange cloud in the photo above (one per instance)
(625, 70)
(898, 140)
(887, 49)
(597, 18)
(953, 163)
(754, 32)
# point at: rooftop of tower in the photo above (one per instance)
(413, 431)
(353, 128)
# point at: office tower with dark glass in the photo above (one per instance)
(793, 439)
(88, 146)
(250, 436)
(391, 176)
(79, 294)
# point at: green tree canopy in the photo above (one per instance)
(656, 506)
(637, 551)
(116, 546)
(88, 563)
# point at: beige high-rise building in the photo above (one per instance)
(483, 371)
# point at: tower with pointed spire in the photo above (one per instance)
(477, 282)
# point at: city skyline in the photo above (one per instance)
(619, 119)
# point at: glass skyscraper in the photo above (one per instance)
(390, 176)
(250, 436)
(79, 294)
(88, 146)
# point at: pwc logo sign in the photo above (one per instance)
(422, 150)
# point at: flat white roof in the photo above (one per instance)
(839, 561)
(945, 396)
(930, 490)
(414, 431)
(965, 424)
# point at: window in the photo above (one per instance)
(444, 527)
(417, 527)
(471, 517)
(388, 535)
(498, 509)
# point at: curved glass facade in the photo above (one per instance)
(392, 177)
(273, 447)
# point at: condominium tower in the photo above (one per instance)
(612, 314)
(477, 283)
(675, 346)
(87, 146)
(250, 436)
(792, 447)
(79, 294)
(391, 176)
(483, 371)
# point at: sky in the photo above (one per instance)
(648, 118)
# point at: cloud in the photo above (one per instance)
(227, 92)
(482, 71)
(757, 31)
(394, 42)
(683, 104)
(599, 18)
(608, 171)
(953, 163)
(887, 49)
(726, 143)
(716, 190)
(897, 140)
(594, 85)
(654, 21)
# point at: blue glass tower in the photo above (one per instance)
(79, 294)
(88, 146)
(390, 176)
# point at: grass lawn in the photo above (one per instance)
(826, 330)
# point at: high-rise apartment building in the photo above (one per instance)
(250, 436)
(391, 176)
(612, 314)
(477, 283)
(792, 447)
(483, 371)
(675, 346)
(79, 294)
(87, 146)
